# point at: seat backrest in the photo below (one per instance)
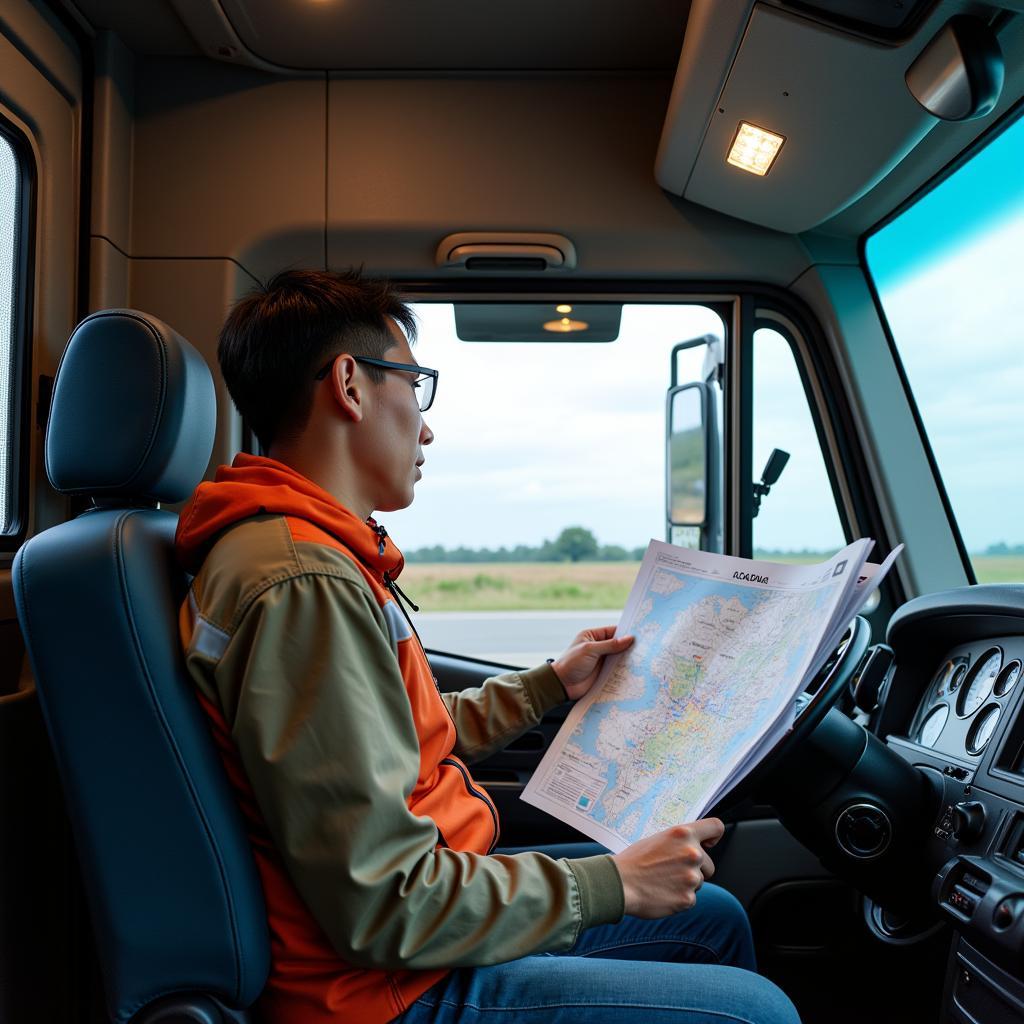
(174, 893)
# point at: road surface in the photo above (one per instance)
(521, 639)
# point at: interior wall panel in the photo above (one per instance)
(410, 161)
(228, 162)
(108, 275)
(193, 296)
(232, 162)
(113, 115)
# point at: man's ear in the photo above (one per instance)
(347, 389)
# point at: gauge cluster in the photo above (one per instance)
(966, 699)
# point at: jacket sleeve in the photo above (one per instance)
(488, 717)
(319, 712)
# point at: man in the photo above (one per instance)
(375, 846)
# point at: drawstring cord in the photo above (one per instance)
(405, 597)
(400, 600)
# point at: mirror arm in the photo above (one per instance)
(772, 471)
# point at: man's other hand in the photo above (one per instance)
(579, 666)
(662, 873)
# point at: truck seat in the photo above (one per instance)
(175, 899)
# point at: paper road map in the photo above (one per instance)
(723, 648)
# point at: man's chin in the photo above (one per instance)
(396, 503)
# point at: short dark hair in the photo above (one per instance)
(277, 337)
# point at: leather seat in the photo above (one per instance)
(176, 904)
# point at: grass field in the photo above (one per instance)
(998, 568)
(518, 586)
(571, 586)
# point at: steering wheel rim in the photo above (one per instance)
(825, 689)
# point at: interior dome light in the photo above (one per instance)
(565, 325)
(563, 308)
(754, 149)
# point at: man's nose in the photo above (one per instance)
(426, 434)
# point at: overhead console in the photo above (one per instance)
(815, 93)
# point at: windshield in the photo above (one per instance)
(948, 275)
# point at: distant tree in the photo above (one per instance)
(575, 543)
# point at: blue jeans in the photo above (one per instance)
(696, 967)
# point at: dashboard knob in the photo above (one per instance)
(1007, 912)
(969, 820)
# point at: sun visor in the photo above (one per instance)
(837, 101)
(537, 321)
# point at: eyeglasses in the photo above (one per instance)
(425, 382)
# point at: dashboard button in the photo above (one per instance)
(962, 900)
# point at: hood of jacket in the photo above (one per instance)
(253, 485)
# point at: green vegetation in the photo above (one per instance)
(575, 573)
(529, 586)
(998, 568)
(573, 544)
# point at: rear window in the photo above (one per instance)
(948, 276)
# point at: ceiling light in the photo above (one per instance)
(565, 325)
(754, 149)
(563, 308)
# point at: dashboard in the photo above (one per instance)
(913, 791)
(953, 709)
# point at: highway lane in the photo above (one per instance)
(521, 639)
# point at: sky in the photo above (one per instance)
(531, 438)
(949, 273)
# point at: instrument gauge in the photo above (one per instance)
(958, 677)
(982, 729)
(979, 682)
(943, 678)
(1007, 679)
(932, 726)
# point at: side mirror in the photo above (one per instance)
(691, 460)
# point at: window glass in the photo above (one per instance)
(798, 519)
(546, 479)
(948, 275)
(10, 195)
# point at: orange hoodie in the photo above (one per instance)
(372, 840)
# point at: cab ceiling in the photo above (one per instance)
(857, 144)
(391, 36)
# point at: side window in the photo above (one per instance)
(798, 519)
(547, 478)
(12, 189)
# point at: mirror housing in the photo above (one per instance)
(958, 76)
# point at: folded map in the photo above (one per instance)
(724, 647)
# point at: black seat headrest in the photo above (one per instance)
(134, 411)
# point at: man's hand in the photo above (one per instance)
(579, 666)
(662, 873)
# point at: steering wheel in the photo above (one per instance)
(828, 685)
